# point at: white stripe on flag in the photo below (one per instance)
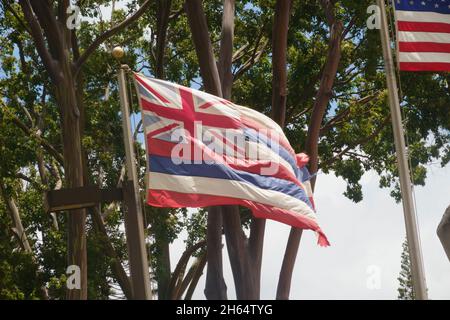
(424, 57)
(417, 16)
(227, 188)
(406, 36)
(163, 122)
(265, 153)
(258, 117)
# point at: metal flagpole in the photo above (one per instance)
(412, 232)
(134, 226)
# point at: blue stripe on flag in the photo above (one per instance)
(439, 6)
(303, 174)
(219, 171)
(271, 143)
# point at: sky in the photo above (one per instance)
(366, 242)
(363, 261)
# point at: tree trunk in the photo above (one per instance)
(163, 269)
(116, 265)
(279, 54)
(18, 229)
(279, 94)
(236, 241)
(443, 232)
(215, 284)
(245, 255)
(243, 276)
(163, 265)
(287, 268)
(215, 288)
(255, 250)
(226, 48)
(203, 47)
(312, 144)
(162, 22)
(324, 95)
(198, 273)
(54, 42)
(73, 168)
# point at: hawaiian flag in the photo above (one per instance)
(203, 150)
(423, 36)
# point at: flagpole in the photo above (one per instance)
(134, 225)
(412, 232)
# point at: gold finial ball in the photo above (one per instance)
(118, 52)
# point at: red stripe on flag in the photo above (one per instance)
(424, 26)
(171, 199)
(424, 47)
(424, 66)
(189, 116)
(166, 128)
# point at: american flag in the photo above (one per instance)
(423, 34)
(199, 154)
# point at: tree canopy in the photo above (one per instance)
(335, 109)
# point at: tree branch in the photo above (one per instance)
(116, 265)
(331, 123)
(162, 23)
(321, 103)
(108, 34)
(198, 273)
(14, 13)
(19, 230)
(176, 14)
(349, 27)
(359, 142)
(44, 143)
(254, 59)
(243, 275)
(44, 12)
(181, 266)
(240, 52)
(36, 32)
(279, 47)
(200, 36)
(337, 119)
